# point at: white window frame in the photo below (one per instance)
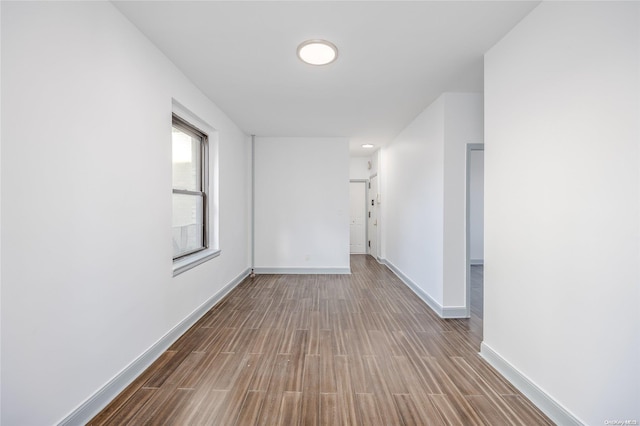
(209, 158)
(203, 180)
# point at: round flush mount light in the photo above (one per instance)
(367, 145)
(317, 52)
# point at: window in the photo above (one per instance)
(190, 189)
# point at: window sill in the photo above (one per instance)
(194, 260)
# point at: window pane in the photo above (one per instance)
(186, 161)
(187, 223)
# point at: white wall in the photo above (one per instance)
(0, 224)
(476, 206)
(302, 205)
(376, 170)
(413, 200)
(562, 207)
(375, 162)
(359, 167)
(87, 281)
(463, 118)
(425, 196)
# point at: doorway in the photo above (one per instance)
(357, 217)
(372, 206)
(475, 234)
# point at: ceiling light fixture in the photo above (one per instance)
(317, 52)
(367, 145)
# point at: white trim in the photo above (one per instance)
(191, 261)
(192, 118)
(103, 396)
(450, 312)
(476, 261)
(539, 397)
(443, 312)
(302, 271)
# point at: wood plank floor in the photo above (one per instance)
(357, 349)
(477, 301)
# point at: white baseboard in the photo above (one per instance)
(454, 312)
(539, 397)
(476, 261)
(302, 271)
(443, 312)
(96, 402)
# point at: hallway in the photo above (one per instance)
(323, 350)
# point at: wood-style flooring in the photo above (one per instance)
(477, 300)
(357, 349)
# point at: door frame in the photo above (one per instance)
(470, 147)
(377, 256)
(366, 199)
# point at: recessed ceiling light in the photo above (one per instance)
(367, 145)
(317, 52)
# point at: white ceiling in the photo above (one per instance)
(395, 58)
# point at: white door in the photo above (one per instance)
(357, 213)
(372, 206)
